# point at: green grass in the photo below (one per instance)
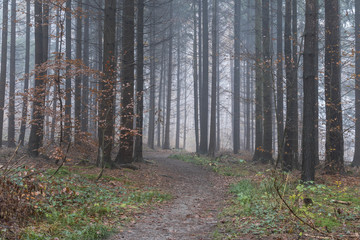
(71, 205)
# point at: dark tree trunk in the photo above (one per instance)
(3, 65)
(138, 156)
(169, 84)
(37, 123)
(195, 76)
(212, 144)
(85, 85)
(236, 93)
(125, 154)
(161, 96)
(204, 96)
(11, 116)
(290, 152)
(267, 98)
(334, 147)
(280, 78)
(67, 132)
(151, 128)
(26, 81)
(310, 118)
(258, 86)
(106, 87)
(77, 120)
(356, 161)
(178, 91)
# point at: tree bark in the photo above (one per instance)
(212, 144)
(106, 87)
(85, 85)
(77, 120)
(178, 90)
(37, 123)
(236, 93)
(356, 161)
(125, 154)
(3, 65)
(204, 97)
(67, 129)
(334, 147)
(195, 77)
(169, 84)
(310, 118)
(138, 156)
(26, 80)
(11, 116)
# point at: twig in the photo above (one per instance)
(63, 161)
(295, 215)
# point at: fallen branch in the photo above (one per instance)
(341, 202)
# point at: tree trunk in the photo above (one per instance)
(204, 96)
(195, 76)
(236, 93)
(267, 98)
(310, 118)
(290, 151)
(178, 90)
(85, 85)
(67, 132)
(125, 154)
(26, 81)
(77, 120)
(151, 128)
(334, 147)
(11, 116)
(3, 65)
(169, 85)
(106, 87)
(356, 161)
(212, 144)
(280, 78)
(138, 156)
(161, 97)
(37, 123)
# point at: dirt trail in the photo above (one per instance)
(198, 195)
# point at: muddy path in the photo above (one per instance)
(192, 213)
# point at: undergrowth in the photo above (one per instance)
(70, 205)
(266, 202)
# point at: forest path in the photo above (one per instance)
(198, 195)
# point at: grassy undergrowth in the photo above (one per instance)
(72, 205)
(330, 209)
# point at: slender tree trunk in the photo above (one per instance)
(161, 96)
(267, 99)
(26, 81)
(85, 85)
(236, 93)
(280, 78)
(356, 161)
(204, 97)
(55, 87)
(138, 156)
(195, 76)
(185, 99)
(178, 91)
(169, 85)
(11, 116)
(106, 87)
(151, 128)
(258, 86)
(37, 123)
(290, 152)
(334, 147)
(212, 144)
(77, 120)
(67, 132)
(3, 65)
(218, 128)
(310, 118)
(125, 154)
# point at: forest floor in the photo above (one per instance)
(173, 195)
(198, 195)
